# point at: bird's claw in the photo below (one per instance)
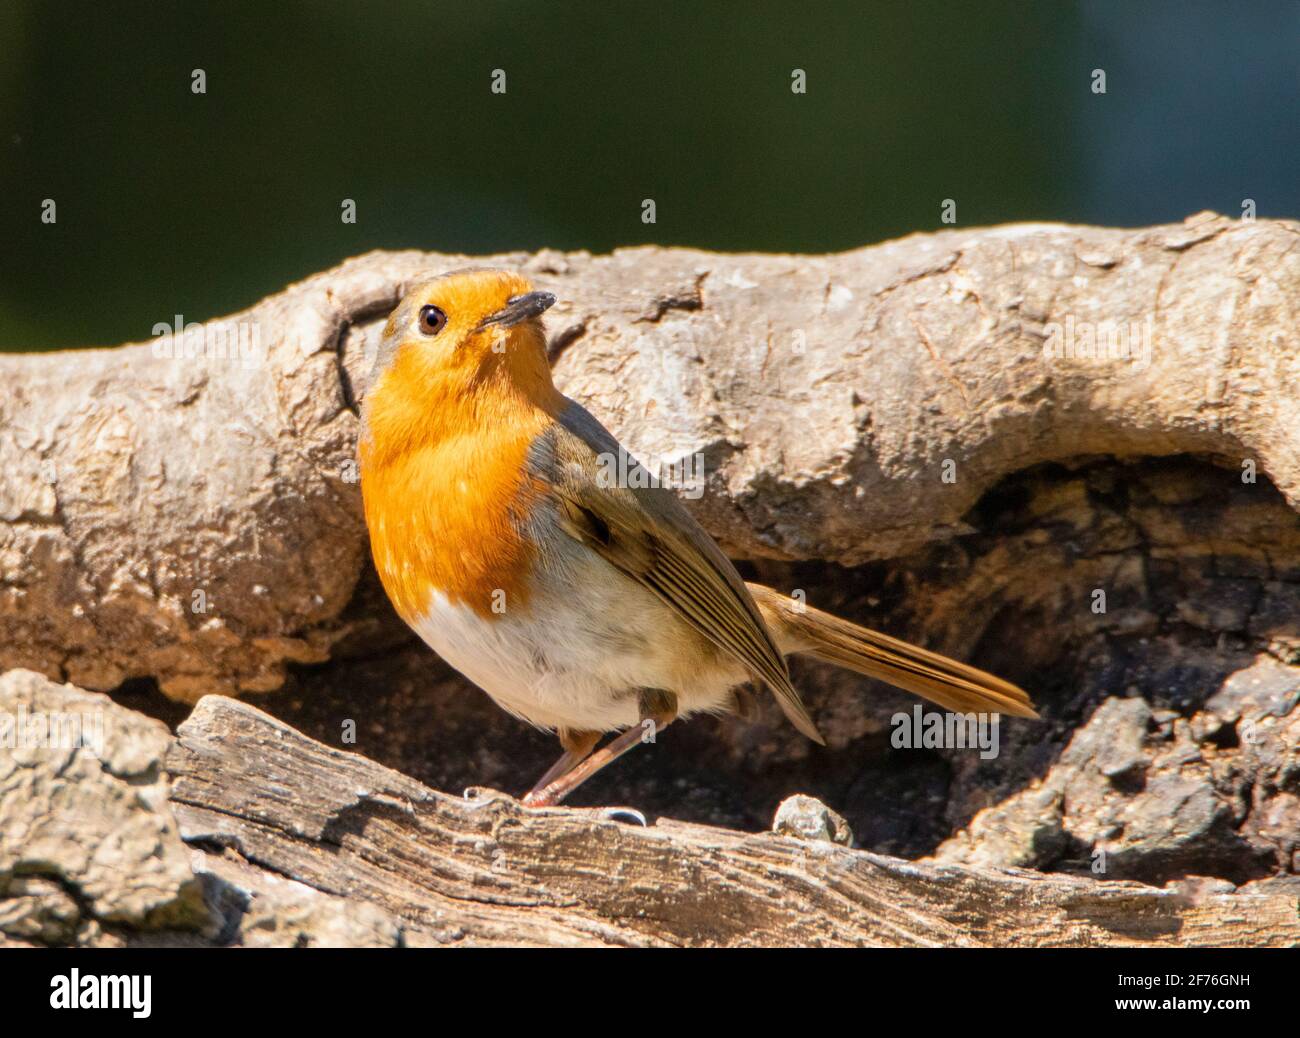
(479, 796)
(624, 814)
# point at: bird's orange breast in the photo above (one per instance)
(447, 520)
(446, 492)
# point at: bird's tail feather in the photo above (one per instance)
(952, 685)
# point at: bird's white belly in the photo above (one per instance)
(577, 653)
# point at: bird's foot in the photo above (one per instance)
(538, 798)
(546, 798)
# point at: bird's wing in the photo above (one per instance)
(644, 531)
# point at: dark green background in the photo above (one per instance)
(170, 202)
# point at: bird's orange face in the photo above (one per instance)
(460, 350)
(465, 328)
(460, 390)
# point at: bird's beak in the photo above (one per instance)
(519, 308)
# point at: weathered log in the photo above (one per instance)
(187, 509)
(487, 870)
(295, 843)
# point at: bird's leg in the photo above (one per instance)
(577, 746)
(658, 708)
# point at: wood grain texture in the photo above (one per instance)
(487, 871)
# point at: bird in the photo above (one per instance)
(582, 604)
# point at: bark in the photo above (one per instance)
(294, 843)
(491, 871)
(195, 519)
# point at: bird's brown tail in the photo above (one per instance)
(954, 686)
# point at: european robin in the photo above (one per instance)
(579, 605)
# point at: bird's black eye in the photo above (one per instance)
(432, 319)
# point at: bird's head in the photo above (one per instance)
(464, 343)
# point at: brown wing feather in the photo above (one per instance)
(645, 532)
